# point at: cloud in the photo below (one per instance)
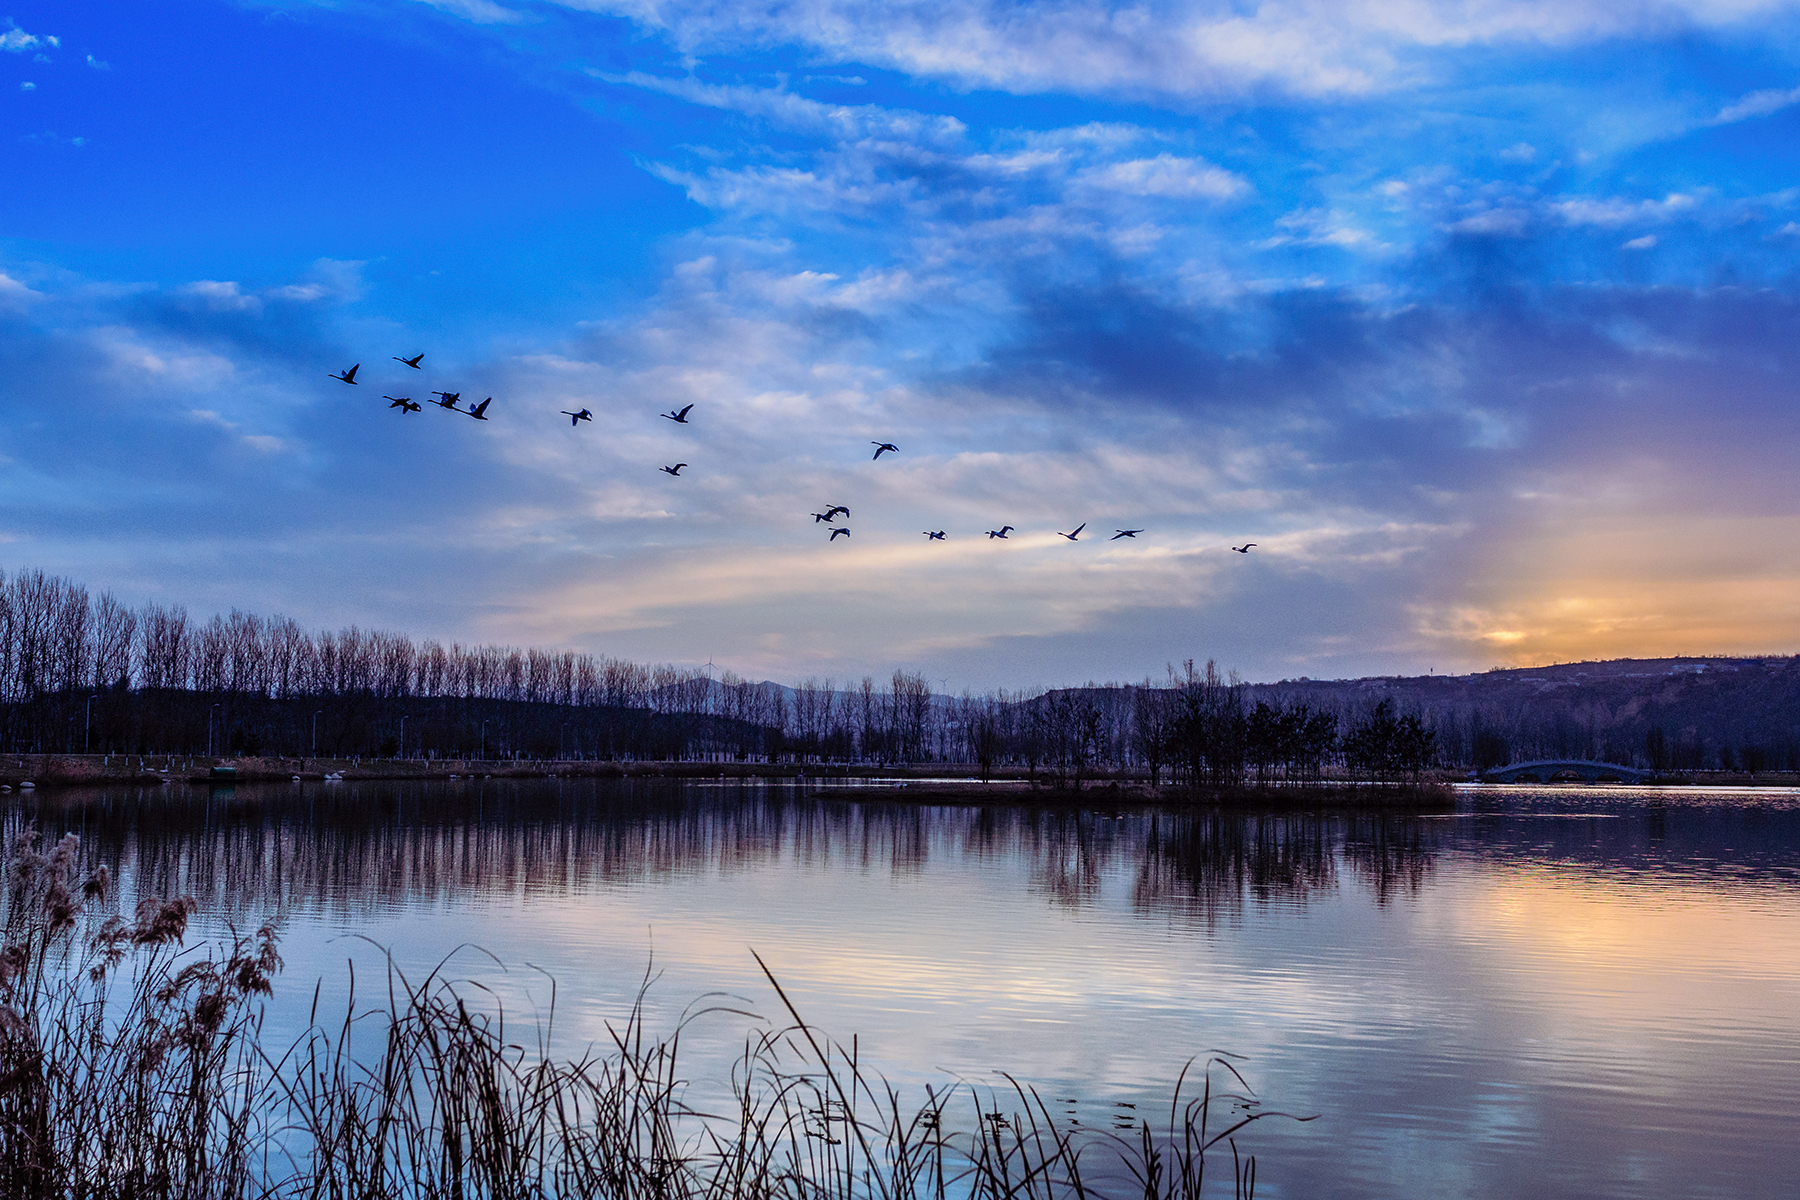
(1165, 176)
(1641, 243)
(784, 108)
(17, 40)
(1203, 48)
(1614, 212)
(28, 86)
(1758, 104)
(221, 295)
(482, 12)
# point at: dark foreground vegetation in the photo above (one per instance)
(80, 674)
(131, 1065)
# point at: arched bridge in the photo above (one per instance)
(1554, 770)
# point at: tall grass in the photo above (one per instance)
(132, 1065)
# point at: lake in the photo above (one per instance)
(1587, 991)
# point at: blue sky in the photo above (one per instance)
(1479, 318)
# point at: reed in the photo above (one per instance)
(132, 1065)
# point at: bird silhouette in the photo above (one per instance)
(576, 418)
(674, 470)
(835, 532)
(1130, 533)
(883, 447)
(936, 537)
(404, 403)
(817, 517)
(836, 509)
(479, 412)
(449, 399)
(1076, 534)
(1000, 532)
(679, 416)
(412, 362)
(348, 376)
(1245, 548)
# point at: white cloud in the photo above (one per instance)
(1201, 47)
(220, 295)
(1611, 213)
(1165, 176)
(1758, 104)
(1523, 152)
(97, 64)
(14, 292)
(1494, 222)
(844, 121)
(1641, 243)
(1318, 227)
(17, 40)
(482, 12)
(28, 86)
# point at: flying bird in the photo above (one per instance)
(936, 537)
(817, 517)
(479, 412)
(348, 376)
(1130, 533)
(1000, 532)
(1075, 535)
(835, 532)
(883, 447)
(576, 418)
(404, 403)
(679, 416)
(674, 470)
(1245, 548)
(834, 510)
(449, 399)
(412, 362)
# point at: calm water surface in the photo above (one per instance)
(1552, 992)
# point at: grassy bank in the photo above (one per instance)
(132, 1065)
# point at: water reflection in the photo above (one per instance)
(343, 848)
(1530, 996)
(325, 846)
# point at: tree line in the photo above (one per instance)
(85, 673)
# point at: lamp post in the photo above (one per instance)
(87, 734)
(484, 739)
(315, 749)
(402, 735)
(210, 713)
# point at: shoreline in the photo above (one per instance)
(945, 781)
(924, 783)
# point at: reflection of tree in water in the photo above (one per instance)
(1391, 855)
(1213, 862)
(346, 848)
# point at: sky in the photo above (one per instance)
(1480, 319)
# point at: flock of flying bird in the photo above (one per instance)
(451, 400)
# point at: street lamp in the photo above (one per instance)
(402, 735)
(484, 739)
(209, 729)
(87, 734)
(315, 749)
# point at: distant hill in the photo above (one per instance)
(1664, 713)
